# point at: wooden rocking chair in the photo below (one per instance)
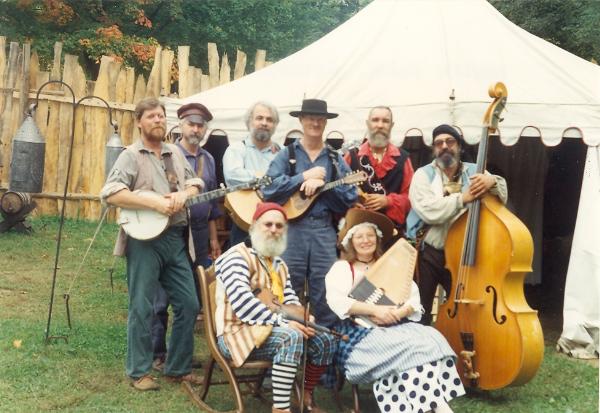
(253, 381)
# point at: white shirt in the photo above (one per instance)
(338, 284)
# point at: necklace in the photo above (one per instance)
(365, 262)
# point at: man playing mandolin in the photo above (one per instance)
(248, 323)
(306, 165)
(439, 194)
(150, 164)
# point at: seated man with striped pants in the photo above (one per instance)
(248, 329)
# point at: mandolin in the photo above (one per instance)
(242, 204)
(147, 224)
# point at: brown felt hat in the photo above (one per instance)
(356, 216)
(194, 112)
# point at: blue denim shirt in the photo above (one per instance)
(205, 211)
(336, 200)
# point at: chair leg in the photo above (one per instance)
(355, 398)
(208, 371)
(259, 383)
(234, 386)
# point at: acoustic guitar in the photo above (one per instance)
(147, 224)
(242, 204)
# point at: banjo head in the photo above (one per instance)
(143, 224)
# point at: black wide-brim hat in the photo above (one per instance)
(316, 107)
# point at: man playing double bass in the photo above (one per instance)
(439, 194)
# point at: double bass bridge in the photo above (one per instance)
(469, 301)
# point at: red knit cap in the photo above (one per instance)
(267, 206)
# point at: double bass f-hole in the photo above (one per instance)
(495, 305)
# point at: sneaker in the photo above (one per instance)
(189, 378)
(158, 365)
(145, 383)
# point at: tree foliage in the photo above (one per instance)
(570, 24)
(129, 30)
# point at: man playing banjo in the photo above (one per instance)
(151, 164)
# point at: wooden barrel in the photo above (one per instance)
(12, 202)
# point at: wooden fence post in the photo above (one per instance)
(213, 64)
(240, 65)
(153, 86)
(259, 61)
(165, 72)
(183, 63)
(225, 72)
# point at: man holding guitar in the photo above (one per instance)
(244, 161)
(388, 167)
(194, 118)
(150, 164)
(306, 165)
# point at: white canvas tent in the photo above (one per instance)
(432, 61)
(412, 56)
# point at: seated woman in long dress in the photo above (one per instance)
(411, 366)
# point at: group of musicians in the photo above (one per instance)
(410, 364)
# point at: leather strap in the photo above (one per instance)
(170, 170)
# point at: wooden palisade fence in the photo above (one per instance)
(20, 78)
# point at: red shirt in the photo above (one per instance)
(398, 203)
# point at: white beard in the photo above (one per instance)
(266, 246)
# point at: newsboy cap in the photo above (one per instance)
(194, 112)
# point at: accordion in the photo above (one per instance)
(389, 281)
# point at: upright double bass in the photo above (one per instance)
(486, 319)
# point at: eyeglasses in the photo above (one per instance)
(450, 142)
(278, 225)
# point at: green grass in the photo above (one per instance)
(86, 374)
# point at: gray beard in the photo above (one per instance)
(446, 160)
(378, 140)
(193, 140)
(261, 135)
(268, 247)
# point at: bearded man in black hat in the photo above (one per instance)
(306, 165)
(439, 194)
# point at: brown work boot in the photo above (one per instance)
(145, 383)
(190, 378)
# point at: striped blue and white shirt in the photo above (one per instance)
(233, 281)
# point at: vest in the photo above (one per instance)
(144, 181)
(413, 221)
(242, 338)
(392, 181)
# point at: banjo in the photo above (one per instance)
(147, 224)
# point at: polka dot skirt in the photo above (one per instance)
(420, 389)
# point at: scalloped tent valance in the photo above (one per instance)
(431, 62)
